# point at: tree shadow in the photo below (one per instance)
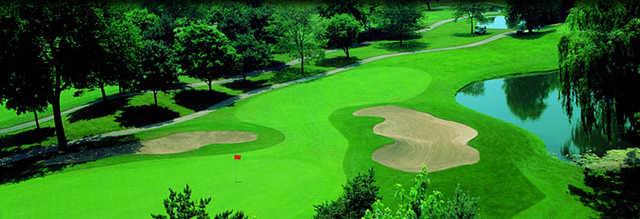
(337, 61)
(199, 99)
(79, 152)
(293, 73)
(27, 137)
(99, 109)
(471, 35)
(139, 116)
(246, 85)
(407, 46)
(534, 35)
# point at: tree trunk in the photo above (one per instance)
(104, 94)
(35, 115)
(57, 116)
(471, 19)
(429, 5)
(244, 75)
(155, 98)
(346, 51)
(302, 65)
(209, 81)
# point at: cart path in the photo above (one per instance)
(230, 101)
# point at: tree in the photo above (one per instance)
(301, 33)
(470, 9)
(351, 7)
(204, 52)
(180, 206)
(68, 46)
(600, 65)
(416, 202)
(24, 82)
(253, 53)
(159, 70)
(358, 195)
(342, 32)
(400, 20)
(535, 13)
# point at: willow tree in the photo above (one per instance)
(600, 65)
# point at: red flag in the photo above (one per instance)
(236, 157)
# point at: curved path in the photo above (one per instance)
(246, 95)
(197, 84)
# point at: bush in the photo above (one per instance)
(180, 206)
(358, 196)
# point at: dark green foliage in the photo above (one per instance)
(253, 53)
(358, 195)
(301, 30)
(462, 205)
(614, 181)
(204, 52)
(600, 66)
(180, 206)
(398, 20)
(526, 97)
(159, 70)
(472, 10)
(342, 32)
(536, 13)
(355, 8)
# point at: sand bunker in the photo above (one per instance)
(421, 139)
(187, 141)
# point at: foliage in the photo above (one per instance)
(399, 20)
(342, 32)
(613, 179)
(526, 97)
(600, 66)
(416, 202)
(204, 52)
(180, 206)
(301, 30)
(355, 8)
(159, 68)
(472, 10)
(253, 53)
(358, 196)
(536, 13)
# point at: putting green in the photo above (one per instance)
(310, 143)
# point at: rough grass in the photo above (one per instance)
(313, 144)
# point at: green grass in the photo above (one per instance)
(309, 144)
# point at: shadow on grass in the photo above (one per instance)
(406, 46)
(199, 99)
(534, 35)
(139, 116)
(293, 73)
(27, 137)
(337, 61)
(246, 85)
(99, 109)
(79, 152)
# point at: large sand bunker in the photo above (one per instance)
(187, 141)
(421, 139)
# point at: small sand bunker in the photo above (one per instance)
(421, 139)
(188, 141)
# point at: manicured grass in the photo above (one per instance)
(313, 144)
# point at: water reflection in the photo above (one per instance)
(526, 95)
(533, 103)
(497, 22)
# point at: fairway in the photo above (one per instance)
(310, 143)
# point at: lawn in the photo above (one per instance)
(309, 144)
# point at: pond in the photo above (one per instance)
(497, 22)
(534, 103)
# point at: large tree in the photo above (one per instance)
(399, 20)
(472, 10)
(68, 45)
(204, 52)
(600, 65)
(159, 68)
(301, 30)
(24, 79)
(342, 32)
(253, 54)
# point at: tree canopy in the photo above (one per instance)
(301, 30)
(398, 20)
(159, 69)
(204, 52)
(472, 10)
(342, 32)
(536, 13)
(600, 65)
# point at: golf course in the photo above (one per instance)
(274, 143)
